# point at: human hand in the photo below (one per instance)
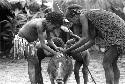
(59, 49)
(38, 45)
(58, 54)
(70, 53)
(65, 29)
(75, 36)
(66, 52)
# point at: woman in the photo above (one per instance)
(99, 27)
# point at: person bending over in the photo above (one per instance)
(40, 28)
(99, 27)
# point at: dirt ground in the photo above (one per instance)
(16, 72)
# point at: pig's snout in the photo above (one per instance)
(59, 81)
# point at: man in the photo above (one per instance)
(99, 27)
(40, 28)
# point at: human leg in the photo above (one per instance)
(116, 70)
(108, 61)
(85, 67)
(34, 66)
(77, 66)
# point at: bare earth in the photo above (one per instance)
(16, 72)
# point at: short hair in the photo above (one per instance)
(72, 10)
(54, 17)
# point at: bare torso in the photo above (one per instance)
(29, 30)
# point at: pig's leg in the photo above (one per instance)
(77, 66)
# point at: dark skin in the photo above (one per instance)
(112, 73)
(51, 29)
(34, 62)
(85, 39)
(83, 61)
(41, 37)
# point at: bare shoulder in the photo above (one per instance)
(40, 24)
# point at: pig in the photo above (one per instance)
(60, 69)
(83, 60)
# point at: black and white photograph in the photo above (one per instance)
(62, 41)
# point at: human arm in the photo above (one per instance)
(56, 43)
(42, 38)
(84, 47)
(85, 37)
(51, 43)
(77, 38)
(65, 29)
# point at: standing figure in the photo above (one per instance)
(40, 28)
(102, 28)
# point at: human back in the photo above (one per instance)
(109, 27)
(29, 30)
(100, 24)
